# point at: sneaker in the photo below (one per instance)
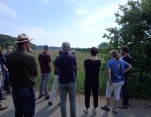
(94, 111)
(105, 108)
(2, 98)
(3, 107)
(47, 97)
(40, 96)
(50, 103)
(8, 92)
(85, 111)
(114, 111)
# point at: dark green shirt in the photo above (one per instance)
(22, 68)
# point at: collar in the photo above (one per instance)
(65, 53)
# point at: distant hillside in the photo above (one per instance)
(6, 40)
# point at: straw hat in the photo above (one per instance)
(22, 38)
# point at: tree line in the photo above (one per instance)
(133, 31)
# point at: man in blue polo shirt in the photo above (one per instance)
(66, 64)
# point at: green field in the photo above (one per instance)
(81, 56)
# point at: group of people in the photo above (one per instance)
(22, 69)
(4, 74)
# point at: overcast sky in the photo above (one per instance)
(80, 22)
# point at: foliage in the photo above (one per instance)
(6, 40)
(133, 29)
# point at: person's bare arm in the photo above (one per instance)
(50, 65)
(5, 67)
(128, 68)
(109, 76)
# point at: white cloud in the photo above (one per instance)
(81, 11)
(42, 36)
(98, 15)
(6, 10)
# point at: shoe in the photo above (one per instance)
(2, 98)
(3, 107)
(114, 111)
(123, 106)
(94, 111)
(40, 96)
(8, 92)
(50, 103)
(105, 108)
(85, 111)
(59, 104)
(47, 97)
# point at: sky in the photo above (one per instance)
(82, 23)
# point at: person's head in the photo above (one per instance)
(46, 48)
(73, 52)
(23, 41)
(60, 52)
(124, 50)
(65, 46)
(114, 54)
(10, 47)
(8, 51)
(93, 51)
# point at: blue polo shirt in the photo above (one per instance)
(117, 69)
(66, 64)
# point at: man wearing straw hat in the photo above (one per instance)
(22, 68)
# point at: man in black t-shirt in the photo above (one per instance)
(127, 58)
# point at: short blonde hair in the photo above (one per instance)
(114, 54)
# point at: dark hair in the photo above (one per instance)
(125, 49)
(94, 51)
(46, 47)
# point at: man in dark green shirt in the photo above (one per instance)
(125, 94)
(22, 68)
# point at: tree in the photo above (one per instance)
(133, 21)
(134, 31)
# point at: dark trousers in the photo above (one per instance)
(6, 82)
(24, 102)
(94, 88)
(125, 93)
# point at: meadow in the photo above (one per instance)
(81, 56)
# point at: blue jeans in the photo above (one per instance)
(44, 84)
(24, 102)
(71, 89)
(1, 85)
